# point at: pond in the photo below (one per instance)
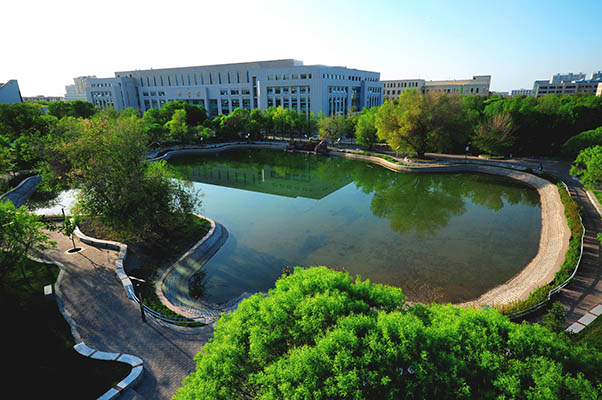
(444, 237)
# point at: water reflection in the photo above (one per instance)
(450, 235)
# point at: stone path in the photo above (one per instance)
(107, 320)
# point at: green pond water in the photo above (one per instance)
(443, 237)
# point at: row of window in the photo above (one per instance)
(400, 84)
(100, 94)
(193, 79)
(288, 90)
(234, 92)
(293, 103)
(156, 93)
(95, 85)
(286, 77)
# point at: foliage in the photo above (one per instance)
(68, 227)
(555, 319)
(20, 233)
(319, 335)
(494, 135)
(76, 109)
(586, 139)
(107, 161)
(588, 166)
(331, 128)
(365, 129)
(417, 123)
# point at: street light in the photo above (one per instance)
(139, 283)
(466, 155)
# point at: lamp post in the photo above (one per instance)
(466, 155)
(138, 284)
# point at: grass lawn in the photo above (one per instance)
(39, 346)
(147, 255)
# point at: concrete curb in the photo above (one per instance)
(131, 380)
(594, 200)
(584, 321)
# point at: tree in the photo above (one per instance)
(365, 130)
(107, 160)
(322, 334)
(417, 123)
(494, 135)
(20, 233)
(555, 319)
(82, 109)
(574, 145)
(177, 126)
(68, 227)
(588, 166)
(331, 128)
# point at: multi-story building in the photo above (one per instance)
(596, 76)
(77, 91)
(599, 90)
(477, 86)
(10, 93)
(556, 79)
(557, 86)
(223, 88)
(521, 92)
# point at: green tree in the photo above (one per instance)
(107, 161)
(20, 233)
(177, 126)
(574, 145)
(68, 227)
(322, 334)
(588, 166)
(555, 319)
(365, 130)
(495, 135)
(417, 123)
(331, 128)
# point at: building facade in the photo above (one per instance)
(521, 92)
(77, 91)
(569, 87)
(10, 93)
(477, 86)
(223, 88)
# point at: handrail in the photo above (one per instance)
(558, 288)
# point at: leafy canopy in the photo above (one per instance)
(320, 334)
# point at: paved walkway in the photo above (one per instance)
(107, 320)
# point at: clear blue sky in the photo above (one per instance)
(47, 43)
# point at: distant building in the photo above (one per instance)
(521, 92)
(556, 79)
(503, 94)
(477, 86)
(250, 85)
(557, 86)
(596, 76)
(44, 98)
(10, 93)
(77, 91)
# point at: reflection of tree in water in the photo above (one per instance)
(425, 203)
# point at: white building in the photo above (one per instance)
(556, 79)
(521, 92)
(477, 86)
(77, 91)
(558, 86)
(10, 93)
(223, 88)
